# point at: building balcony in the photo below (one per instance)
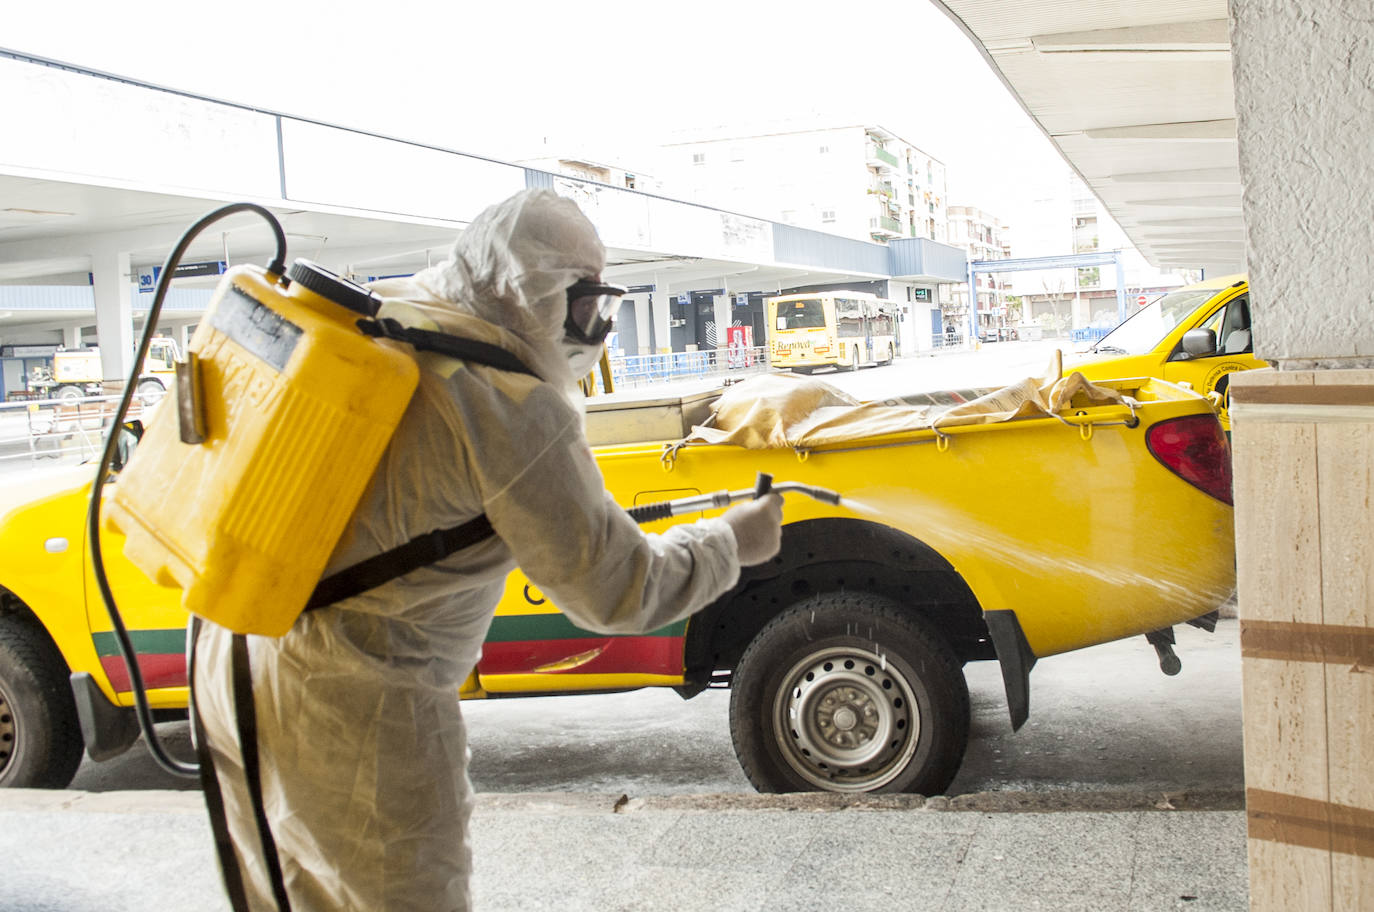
(883, 190)
(879, 157)
(884, 227)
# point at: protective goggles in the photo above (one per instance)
(592, 307)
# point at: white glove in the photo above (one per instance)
(757, 525)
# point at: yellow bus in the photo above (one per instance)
(841, 329)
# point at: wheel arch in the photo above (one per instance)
(15, 608)
(835, 554)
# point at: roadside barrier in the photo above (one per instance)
(67, 430)
(630, 371)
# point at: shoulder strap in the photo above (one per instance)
(446, 344)
(439, 544)
(387, 566)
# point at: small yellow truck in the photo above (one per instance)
(76, 373)
(1197, 336)
(1008, 541)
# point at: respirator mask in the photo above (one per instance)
(592, 306)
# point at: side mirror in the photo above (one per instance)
(1200, 343)
(129, 435)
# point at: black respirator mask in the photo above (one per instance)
(592, 307)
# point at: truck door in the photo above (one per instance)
(1230, 325)
(153, 616)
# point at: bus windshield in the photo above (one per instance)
(1147, 327)
(805, 314)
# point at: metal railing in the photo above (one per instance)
(946, 340)
(65, 430)
(632, 371)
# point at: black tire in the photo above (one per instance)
(40, 736)
(847, 692)
(150, 391)
(69, 394)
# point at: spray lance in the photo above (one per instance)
(763, 485)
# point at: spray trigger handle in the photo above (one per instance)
(763, 484)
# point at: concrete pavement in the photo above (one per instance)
(80, 851)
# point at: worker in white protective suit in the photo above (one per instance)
(361, 742)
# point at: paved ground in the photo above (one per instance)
(82, 852)
(1123, 792)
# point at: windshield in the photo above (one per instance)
(805, 314)
(1144, 330)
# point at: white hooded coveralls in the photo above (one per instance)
(361, 740)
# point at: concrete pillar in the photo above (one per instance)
(71, 336)
(114, 323)
(659, 302)
(723, 321)
(644, 323)
(1303, 438)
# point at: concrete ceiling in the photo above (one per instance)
(1137, 95)
(50, 228)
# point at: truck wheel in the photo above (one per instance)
(69, 394)
(150, 391)
(40, 736)
(846, 692)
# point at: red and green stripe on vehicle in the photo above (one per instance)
(520, 644)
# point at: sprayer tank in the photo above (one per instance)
(297, 407)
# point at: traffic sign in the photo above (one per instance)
(1140, 301)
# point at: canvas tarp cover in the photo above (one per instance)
(786, 410)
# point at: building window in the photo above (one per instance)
(825, 150)
(698, 158)
(828, 216)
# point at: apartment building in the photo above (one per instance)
(1085, 298)
(859, 181)
(587, 169)
(983, 237)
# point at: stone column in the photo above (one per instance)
(723, 309)
(114, 324)
(1303, 435)
(644, 326)
(659, 301)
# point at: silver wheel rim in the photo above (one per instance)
(6, 731)
(846, 720)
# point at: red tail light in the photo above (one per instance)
(1195, 449)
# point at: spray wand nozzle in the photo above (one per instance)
(763, 485)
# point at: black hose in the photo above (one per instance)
(277, 268)
(651, 511)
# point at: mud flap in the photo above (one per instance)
(1015, 656)
(108, 730)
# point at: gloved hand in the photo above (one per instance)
(757, 525)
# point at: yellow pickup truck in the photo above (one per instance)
(1198, 335)
(1006, 541)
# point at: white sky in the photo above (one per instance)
(599, 78)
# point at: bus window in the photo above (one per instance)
(849, 318)
(806, 314)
